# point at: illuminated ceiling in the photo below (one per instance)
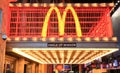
(63, 55)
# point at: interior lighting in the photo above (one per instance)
(26, 55)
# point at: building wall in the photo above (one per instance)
(4, 9)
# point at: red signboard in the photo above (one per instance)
(66, 21)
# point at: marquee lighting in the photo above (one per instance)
(45, 5)
(58, 56)
(97, 39)
(35, 4)
(86, 5)
(114, 39)
(88, 39)
(26, 55)
(24, 39)
(34, 39)
(69, 39)
(61, 39)
(17, 39)
(52, 39)
(105, 39)
(79, 39)
(95, 4)
(43, 39)
(27, 4)
(61, 4)
(8, 39)
(19, 5)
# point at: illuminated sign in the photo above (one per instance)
(61, 45)
(61, 21)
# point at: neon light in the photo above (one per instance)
(45, 24)
(78, 28)
(61, 21)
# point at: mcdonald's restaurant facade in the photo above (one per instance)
(33, 37)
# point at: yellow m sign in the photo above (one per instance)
(61, 21)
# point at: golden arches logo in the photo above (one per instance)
(61, 21)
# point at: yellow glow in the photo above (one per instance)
(86, 5)
(70, 39)
(25, 39)
(45, 5)
(52, 4)
(41, 55)
(45, 24)
(105, 39)
(11, 5)
(94, 4)
(83, 55)
(62, 56)
(60, 5)
(70, 49)
(69, 4)
(61, 21)
(8, 39)
(77, 4)
(68, 57)
(52, 39)
(34, 39)
(75, 56)
(114, 39)
(43, 39)
(97, 39)
(56, 56)
(35, 4)
(27, 4)
(88, 39)
(26, 55)
(19, 5)
(17, 39)
(79, 39)
(61, 39)
(83, 58)
(35, 56)
(111, 4)
(103, 4)
(78, 28)
(50, 57)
